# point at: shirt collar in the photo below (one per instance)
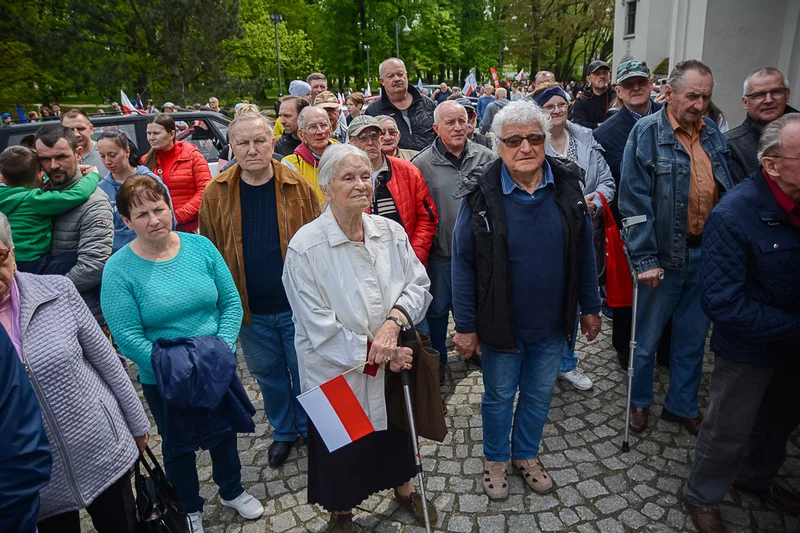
(509, 184)
(699, 125)
(637, 116)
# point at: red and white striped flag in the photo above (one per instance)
(336, 413)
(127, 106)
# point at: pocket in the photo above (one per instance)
(779, 243)
(110, 420)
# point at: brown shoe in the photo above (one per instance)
(706, 520)
(495, 480)
(776, 495)
(638, 421)
(534, 475)
(413, 503)
(692, 425)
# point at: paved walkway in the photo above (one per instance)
(598, 488)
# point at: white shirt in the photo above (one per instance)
(341, 293)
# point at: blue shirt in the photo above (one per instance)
(637, 116)
(511, 187)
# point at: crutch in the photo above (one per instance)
(635, 304)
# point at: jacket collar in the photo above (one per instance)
(438, 158)
(487, 176)
(280, 173)
(67, 184)
(335, 234)
(33, 292)
(413, 91)
(666, 135)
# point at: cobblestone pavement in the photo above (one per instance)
(598, 488)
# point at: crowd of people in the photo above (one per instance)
(326, 234)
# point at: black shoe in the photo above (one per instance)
(622, 357)
(278, 452)
(777, 495)
(441, 376)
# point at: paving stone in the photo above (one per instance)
(611, 504)
(591, 488)
(492, 524)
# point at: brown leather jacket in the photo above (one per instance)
(221, 217)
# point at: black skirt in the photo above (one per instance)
(340, 480)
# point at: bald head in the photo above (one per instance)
(501, 93)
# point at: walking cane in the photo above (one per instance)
(405, 379)
(631, 352)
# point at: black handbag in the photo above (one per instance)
(158, 508)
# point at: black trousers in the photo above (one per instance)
(621, 335)
(113, 511)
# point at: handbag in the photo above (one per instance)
(158, 508)
(619, 286)
(426, 401)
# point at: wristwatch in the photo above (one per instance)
(396, 321)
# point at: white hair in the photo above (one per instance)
(764, 71)
(380, 67)
(251, 116)
(5, 232)
(333, 156)
(524, 112)
(771, 136)
(301, 118)
(449, 103)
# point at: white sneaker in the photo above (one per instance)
(248, 507)
(578, 379)
(196, 522)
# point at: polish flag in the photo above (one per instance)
(127, 106)
(336, 413)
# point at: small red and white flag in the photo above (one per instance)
(127, 106)
(336, 413)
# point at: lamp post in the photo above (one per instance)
(366, 49)
(406, 31)
(276, 19)
(502, 47)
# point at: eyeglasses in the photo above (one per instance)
(783, 157)
(515, 141)
(317, 127)
(761, 96)
(368, 136)
(390, 132)
(4, 254)
(561, 106)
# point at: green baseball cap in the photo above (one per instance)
(632, 69)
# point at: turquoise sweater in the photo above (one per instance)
(190, 295)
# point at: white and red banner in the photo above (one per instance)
(494, 78)
(520, 75)
(470, 85)
(336, 413)
(127, 107)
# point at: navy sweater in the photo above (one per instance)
(261, 242)
(536, 266)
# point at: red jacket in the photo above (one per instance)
(415, 206)
(186, 180)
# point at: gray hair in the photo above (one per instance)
(520, 112)
(5, 232)
(386, 118)
(771, 141)
(676, 77)
(449, 103)
(763, 71)
(500, 93)
(380, 67)
(333, 157)
(301, 118)
(244, 117)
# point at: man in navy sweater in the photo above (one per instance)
(522, 260)
(751, 291)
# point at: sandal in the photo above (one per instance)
(413, 502)
(495, 481)
(534, 475)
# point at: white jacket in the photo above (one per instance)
(341, 293)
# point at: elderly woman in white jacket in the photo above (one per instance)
(350, 277)
(577, 144)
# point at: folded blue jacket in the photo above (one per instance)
(203, 398)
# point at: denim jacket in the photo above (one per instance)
(654, 189)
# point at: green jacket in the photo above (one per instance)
(29, 213)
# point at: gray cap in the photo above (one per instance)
(597, 65)
(360, 123)
(169, 105)
(299, 88)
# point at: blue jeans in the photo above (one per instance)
(439, 311)
(569, 361)
(181, 467)
(677, 296)
(268, 347)
(533, 371)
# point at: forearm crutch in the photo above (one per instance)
(405, 377)
(631, 354)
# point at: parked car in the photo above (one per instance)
(207, 130)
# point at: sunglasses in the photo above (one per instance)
(372, 136)
(515, 141)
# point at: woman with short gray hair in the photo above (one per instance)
(94, 420)
(353, 280)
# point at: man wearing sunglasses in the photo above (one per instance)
(522, 260)
(765, 97)
(398, 190)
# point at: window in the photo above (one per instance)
(630, 17)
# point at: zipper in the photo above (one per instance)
(285, 217)
(428, 209)
(71, 481)
(110, 420)
(482, 214)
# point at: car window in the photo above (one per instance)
(200, 135)
(15, 138)
(127, 129)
